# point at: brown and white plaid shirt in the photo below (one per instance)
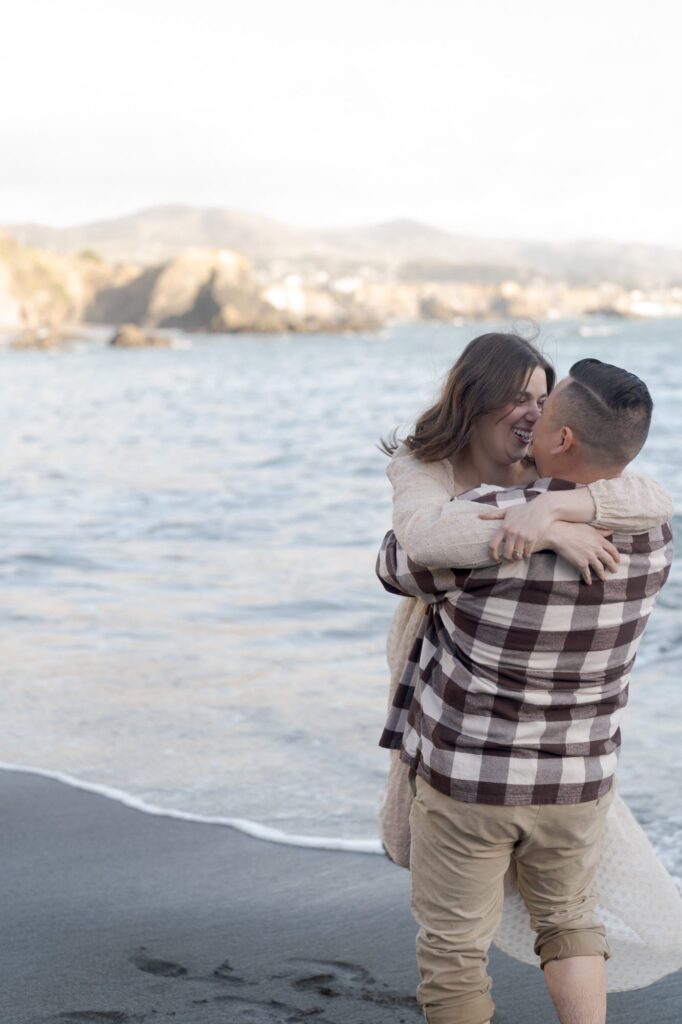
(516, 684)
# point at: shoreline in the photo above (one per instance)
(117, 917)
(254, 829)
(245, 826)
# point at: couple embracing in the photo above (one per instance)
(527, 585)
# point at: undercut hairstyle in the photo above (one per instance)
(491, 373)
(608, 409)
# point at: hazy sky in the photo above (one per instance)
(509, 118)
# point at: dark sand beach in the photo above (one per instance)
(114, 916)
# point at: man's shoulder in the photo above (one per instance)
(644, 543)
(490, 494)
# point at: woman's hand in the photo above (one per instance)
(585, 547)
(534, 527)
(524, 528)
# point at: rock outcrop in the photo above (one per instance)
(43, 290)
(42, 338)
(131, 336)
(188, 292)
(217, 291)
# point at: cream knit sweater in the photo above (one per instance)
(638, 900)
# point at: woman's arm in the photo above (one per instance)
(434, 530)
(630, 503)
(438, 532)
(627, 504)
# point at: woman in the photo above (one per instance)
(479, 431)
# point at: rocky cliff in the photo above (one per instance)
(220, 290)
(43, 289)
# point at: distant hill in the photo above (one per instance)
(157, 234)
(405, 249)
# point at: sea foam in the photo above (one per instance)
(250, 828)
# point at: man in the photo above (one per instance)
(510, 720)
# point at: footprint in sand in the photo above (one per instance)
(164, 968)
(244, 1010)
(332, 978)
(225, 972)
(247, 1011)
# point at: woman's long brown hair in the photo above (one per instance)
(490, 373)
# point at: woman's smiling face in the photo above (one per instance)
(506, 433)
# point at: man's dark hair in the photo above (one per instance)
(608, 409)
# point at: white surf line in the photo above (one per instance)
(250, 828)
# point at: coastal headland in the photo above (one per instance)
(224, 272)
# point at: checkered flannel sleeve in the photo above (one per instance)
(400, 575)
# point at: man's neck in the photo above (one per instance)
(583, 473)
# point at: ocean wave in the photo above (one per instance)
(597, 330)
(658, 656)
(658, 831)
(249, 828)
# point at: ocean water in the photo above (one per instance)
(190, 612)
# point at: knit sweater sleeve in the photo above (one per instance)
(434, 530)
(630, 503)
(438, 532)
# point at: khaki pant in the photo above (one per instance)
(459, 855)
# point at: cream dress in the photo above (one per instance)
(638, 901)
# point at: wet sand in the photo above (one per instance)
(114, 916)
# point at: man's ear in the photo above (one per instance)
(564, 443)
